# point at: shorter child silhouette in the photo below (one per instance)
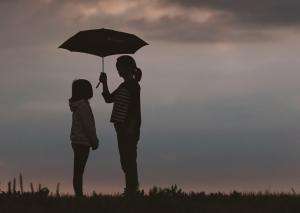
(83, 131)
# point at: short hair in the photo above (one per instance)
(81, 89)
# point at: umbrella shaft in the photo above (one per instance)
(102, 71)
(102, 64)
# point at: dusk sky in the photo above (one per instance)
(220, 93)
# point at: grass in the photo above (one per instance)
(157, 200)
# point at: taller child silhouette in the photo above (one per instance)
(126, 117)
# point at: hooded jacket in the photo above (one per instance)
(83, 130)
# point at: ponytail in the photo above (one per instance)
(127, 64)
(137, 74)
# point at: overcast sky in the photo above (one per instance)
(220, 102)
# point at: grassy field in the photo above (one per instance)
(156, 200)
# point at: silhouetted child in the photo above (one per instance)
(126, 117)
(83, 131)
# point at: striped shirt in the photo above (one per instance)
(121, 101)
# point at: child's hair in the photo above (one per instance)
(127, 64)
(81, 89)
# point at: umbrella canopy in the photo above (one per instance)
(103, 42)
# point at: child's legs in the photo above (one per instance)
(81, 154)
(127, 145)
(131, 166)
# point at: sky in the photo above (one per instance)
(220, 103)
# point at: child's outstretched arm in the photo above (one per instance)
(88, 124)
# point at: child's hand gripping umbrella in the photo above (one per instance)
(103, 42)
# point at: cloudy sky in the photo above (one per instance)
(220, 102)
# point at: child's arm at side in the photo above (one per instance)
(88, 124)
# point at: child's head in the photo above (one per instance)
(81, 89)
(127, 68)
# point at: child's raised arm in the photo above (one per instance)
(108, 97)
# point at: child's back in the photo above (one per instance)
(83, 130)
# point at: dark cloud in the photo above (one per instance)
(37, 22)
(181, 29)
(235, 21)
(254, 12)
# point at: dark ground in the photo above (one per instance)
(157, 200)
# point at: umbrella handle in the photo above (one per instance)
(98, 85)
(102, 71)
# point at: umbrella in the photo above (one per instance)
(103, 42)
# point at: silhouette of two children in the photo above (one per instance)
(126, 117)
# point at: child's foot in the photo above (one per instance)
(132, 193)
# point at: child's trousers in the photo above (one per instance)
(81, 154)
(127, 144)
